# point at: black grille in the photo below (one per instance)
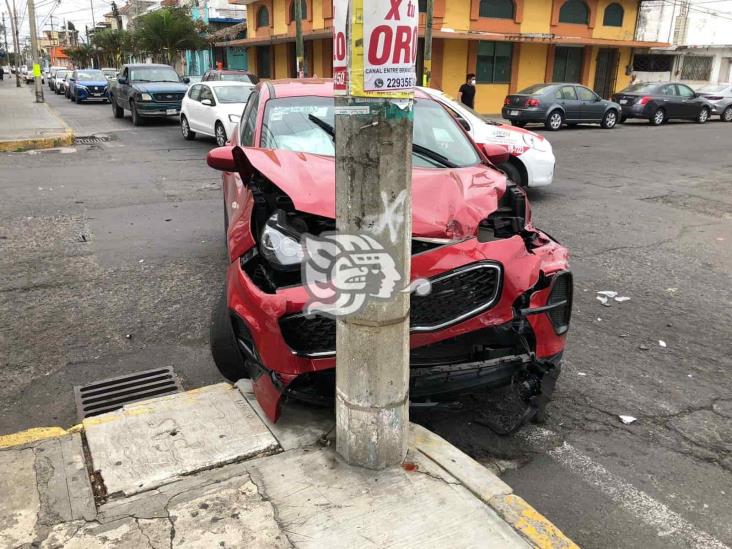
(454, 296)
(168, 97)
(561, 292)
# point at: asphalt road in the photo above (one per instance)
(125, 238)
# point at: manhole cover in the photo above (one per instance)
(111, 394)
(90, 139)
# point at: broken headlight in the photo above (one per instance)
(280, 242)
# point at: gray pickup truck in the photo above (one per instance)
(147, 91)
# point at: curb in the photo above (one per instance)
(35, 434)
(36, 143)
(490, 489)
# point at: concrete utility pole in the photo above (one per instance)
(299, 45)
(427, 64)
(373, 160)
(16, 39)
(5, 38)
(37, 79)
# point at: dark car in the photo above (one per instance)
(559, 103)
(501, 292)
(147, 91)
(661, 101)
(720, 96)
(231, 75)
(88, 85)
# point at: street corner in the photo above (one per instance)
(61, 139)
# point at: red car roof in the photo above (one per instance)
(323, 87)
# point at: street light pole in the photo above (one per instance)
(299, 45)
(427, 68)
(37, 79)
(373, 161)
(16, 39)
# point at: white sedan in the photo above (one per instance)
(532, 159)
(213, 109)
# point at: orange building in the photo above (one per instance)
(509, 44)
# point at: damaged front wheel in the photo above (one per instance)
(223, 343)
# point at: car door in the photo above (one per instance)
(568, 99)
(690, 105)
(72, 84)
(124, 89)
(193, 106)
(592, 107)
(669, 100)
(207, 112)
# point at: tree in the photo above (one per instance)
(113, 44)
(80, 55)
(166, 31)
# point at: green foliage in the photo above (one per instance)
(80, 55)
(114, 44)
(166, 31)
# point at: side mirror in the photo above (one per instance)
(186, 80)
(122, 80)
(207, 102)
(697, 94)
(464, 124)
(222, 159)
(497, 154)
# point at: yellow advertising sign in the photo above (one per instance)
(36, 70)
(383, 48)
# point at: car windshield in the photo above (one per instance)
(153, 74)
(535, 89)
(712, 88)
(61, 74)
(233, 94)
(90, 75)
(109, 72)
(642, 87)
(239, 78)
(304, 124)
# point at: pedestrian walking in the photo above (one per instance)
(466, 93)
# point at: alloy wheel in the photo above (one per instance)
(555, 121)
(610, 119)
(220, 135)
(703, 116)
(727, 114)
(658, 118)
(184, 128)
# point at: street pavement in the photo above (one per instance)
(113, 255)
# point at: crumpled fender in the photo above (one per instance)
(446, 203)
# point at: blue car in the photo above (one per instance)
(88, 85)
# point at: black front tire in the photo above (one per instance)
(220, 134)
(513, 173)
(185, 129)
(609, 120)
(554, 120)
(137, 120)
(703, 116)
(658, 117)
(118, 112)
(226, 356)
(726, 115)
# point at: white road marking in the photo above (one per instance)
(648, 510)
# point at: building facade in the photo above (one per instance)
(508, 44)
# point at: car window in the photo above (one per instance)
(126, 73)
(585, 94)
(568, 92)
(456, 115)
(195, 92)
(668, 89)
(684, 91)
(233, 94)
(536, 89)
(249, 121)
(206, 93)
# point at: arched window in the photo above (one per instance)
(613, 16)
(574, 11)
(304, 5)
(262, 17)
(497, 9)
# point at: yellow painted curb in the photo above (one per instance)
(31, 435)
(17, 145)
(530, 523)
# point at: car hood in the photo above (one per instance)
(92, 82)
(160, 87)
(465, 196)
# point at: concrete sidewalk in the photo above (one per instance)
(205, 469)
(25, 124)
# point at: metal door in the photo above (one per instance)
(606, 72)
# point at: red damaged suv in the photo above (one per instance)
(501, 292)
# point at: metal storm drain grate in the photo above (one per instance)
(111, 394)
(90, 139)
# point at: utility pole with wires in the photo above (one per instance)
(5, 38)
(37, 79)
(16, 38)
(299, 45)
(427, 65)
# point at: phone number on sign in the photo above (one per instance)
(393, 83)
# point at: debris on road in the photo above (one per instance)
(643, 347)
(662, 343)
(628, 419)
(622, 299)
(607, 293)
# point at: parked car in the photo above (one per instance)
(67, 84)
(109, 73)
(532, 160)
(28, 77)
(213, 108)
(473, 238)
(232, 75)
(559, 103)
(147, 91)
(720, 96)
(62, 82)
(52, 76)
(658, 102)
(88, 85)
(58, 79)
